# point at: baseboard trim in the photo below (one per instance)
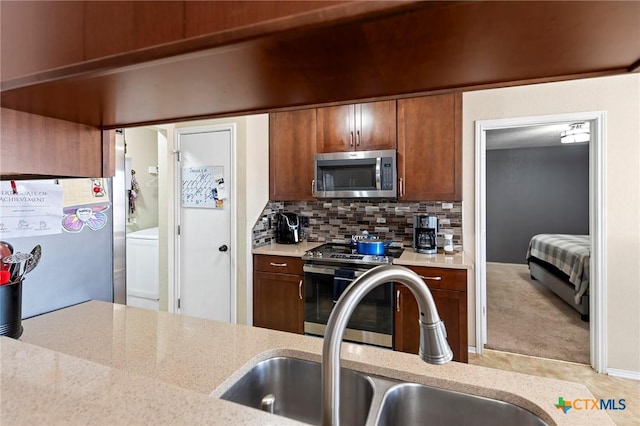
(472, 350)
(625, 374)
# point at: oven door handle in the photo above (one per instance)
(326, 271)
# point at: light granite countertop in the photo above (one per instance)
(291, 250)
(453, 261)
(105, 363)
(408, 258)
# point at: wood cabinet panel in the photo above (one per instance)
(108, 153)
(278, 302)
(278, 264)
(449, 291)
(115, 27)
(205, 17)
(336, 128)
(42, 146)
(292, 147)
(430, 148)
(40, 35)
(443, 278)
(109, 28)
(157, 22)
(357, 127)
(278, 293)
(452, 307)
(376, 125)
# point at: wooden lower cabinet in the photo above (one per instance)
(452, 307)
(278, 297)
(278, 302)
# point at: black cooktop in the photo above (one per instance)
(347, 253)
(336, 248)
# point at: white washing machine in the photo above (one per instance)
(142, 269)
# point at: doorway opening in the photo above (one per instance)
(141, 213)
(152, 191)
(488, 272)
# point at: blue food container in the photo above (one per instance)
(372, 247)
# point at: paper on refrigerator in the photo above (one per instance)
(35, 209)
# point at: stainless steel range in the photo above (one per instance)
(328, 270)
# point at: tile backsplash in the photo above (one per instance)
(338, 220)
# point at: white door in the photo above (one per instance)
(204, 287)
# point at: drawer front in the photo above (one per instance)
(443, 278)
(278, 264)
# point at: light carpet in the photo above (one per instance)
(525, 317)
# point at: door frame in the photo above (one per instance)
(174, 288)
(597, 229)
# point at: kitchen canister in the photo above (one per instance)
(11, 309)
(448, 243)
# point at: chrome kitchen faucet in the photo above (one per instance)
(434, 347)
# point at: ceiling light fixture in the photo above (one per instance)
(578, 132)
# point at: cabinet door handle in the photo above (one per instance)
(280, 265)
(300, 289)
(357, 137)
(397, 300)
(401, 187)
(313, 188)
(431, 278)
(351, 142)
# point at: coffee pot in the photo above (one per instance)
(425, 230)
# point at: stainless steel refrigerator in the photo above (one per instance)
(74, 267)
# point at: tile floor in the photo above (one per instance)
(600, 385)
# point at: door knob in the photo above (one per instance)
(223, 248)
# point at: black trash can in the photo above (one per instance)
(11, 309)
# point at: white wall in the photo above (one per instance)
(619, 96)
(257, 195)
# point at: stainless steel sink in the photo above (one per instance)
(295, 386)
(413, 404)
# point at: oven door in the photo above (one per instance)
(372, 320)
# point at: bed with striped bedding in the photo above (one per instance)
(568, 253)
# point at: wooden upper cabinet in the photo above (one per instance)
(292, 147)
(40, 35)
(430, 148)
(376, 125)
(114, 27)
(205, 17)
(336, 128)
(33, 145)
(357, 127)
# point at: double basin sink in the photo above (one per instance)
(292, 388)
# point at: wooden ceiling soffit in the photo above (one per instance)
(425, 48)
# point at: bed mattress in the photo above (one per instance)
(569, 253)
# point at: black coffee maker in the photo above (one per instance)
(425, 231)
(288, 228)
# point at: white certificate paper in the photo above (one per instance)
(36, 209)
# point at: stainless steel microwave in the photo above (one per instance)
(356, 174)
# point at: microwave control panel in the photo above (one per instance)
(386, 178)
